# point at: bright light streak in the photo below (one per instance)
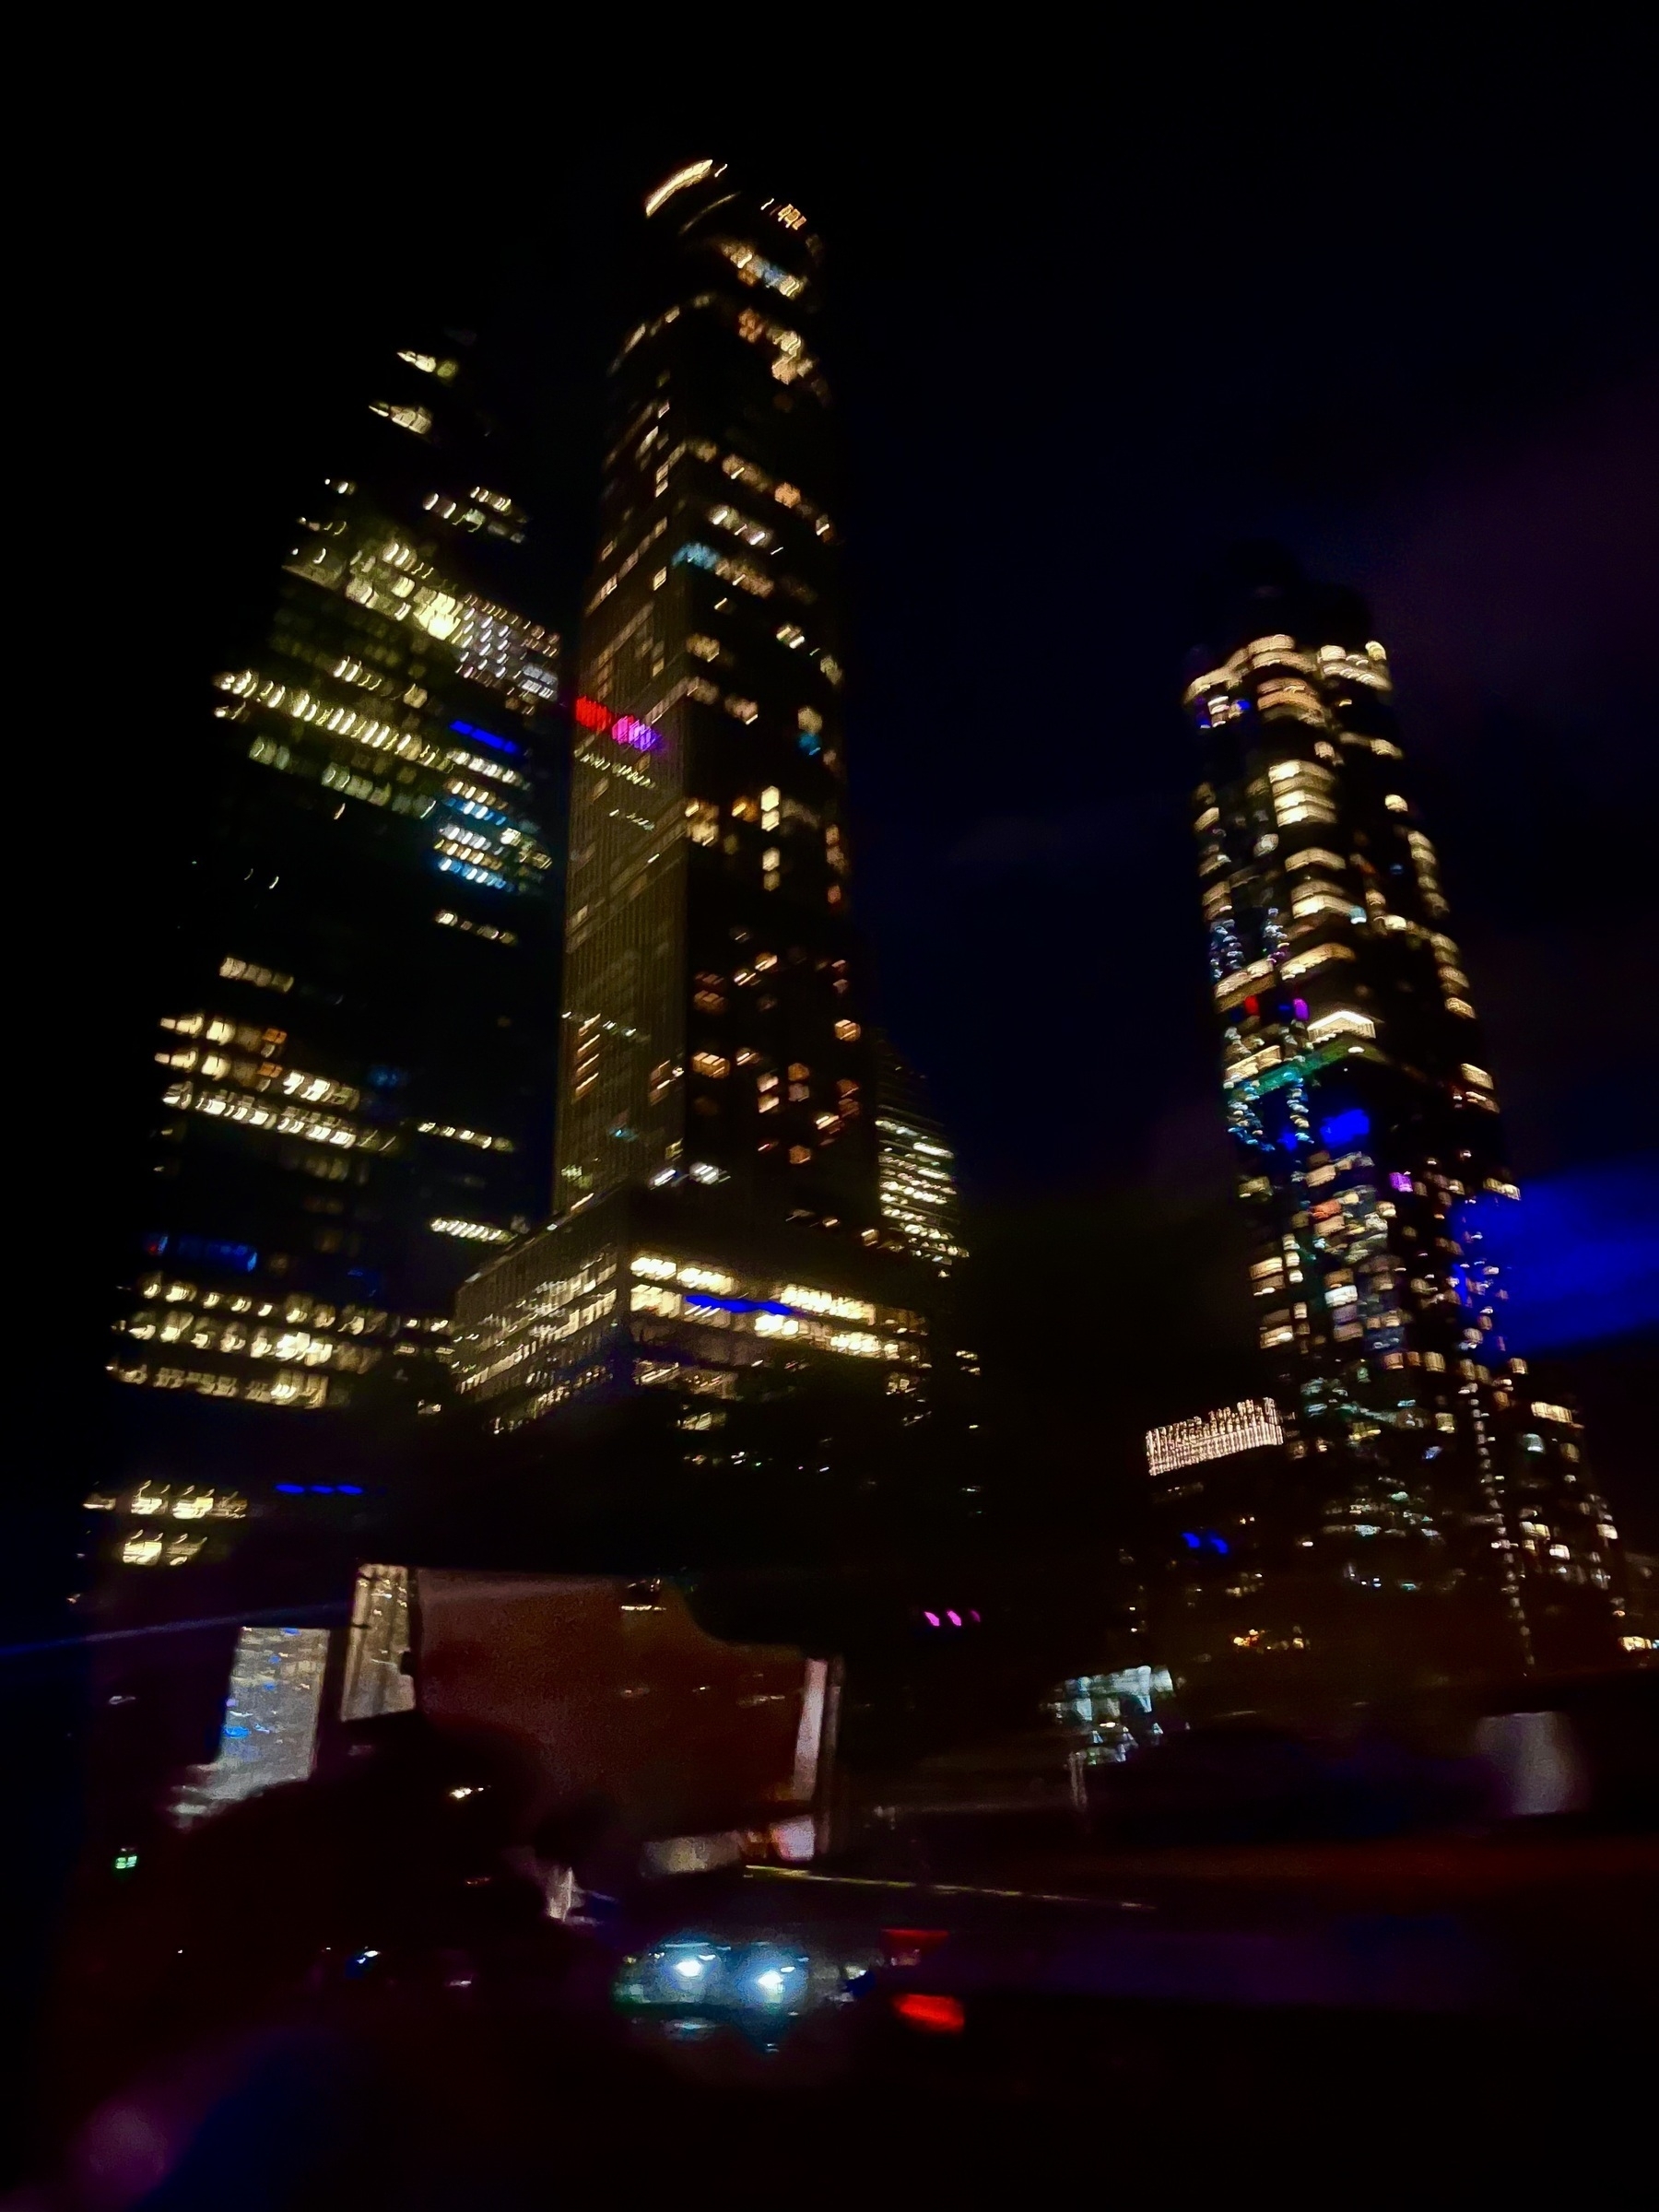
(693, 173)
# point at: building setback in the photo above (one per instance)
(721, 1239)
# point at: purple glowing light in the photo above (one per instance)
(593, 714)
(640, 735)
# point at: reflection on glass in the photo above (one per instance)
(270, 1730)
(375, 1682)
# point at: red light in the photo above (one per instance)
(625, 728)
(933, 2016)
(1252, 1006)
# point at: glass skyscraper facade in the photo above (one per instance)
(1418, 1465)
(711, 1000)
(353, 1054)
(918, 1188)
(720, 1229)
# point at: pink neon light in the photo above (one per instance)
(592, 714)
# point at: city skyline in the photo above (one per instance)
(1155, 1175)
(866, 912)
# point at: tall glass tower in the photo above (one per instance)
(1366, 1129)
(721, 1231)
(354, 1052)
(710, 983)
(918, 1187)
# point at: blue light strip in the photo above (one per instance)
(733, 1305)
(471, 729)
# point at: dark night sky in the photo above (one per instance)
(1077, 355)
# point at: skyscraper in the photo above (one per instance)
(353, 1050)
(1432, 1484)
(720, 1229)
(918, 1189)
(707, 846)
